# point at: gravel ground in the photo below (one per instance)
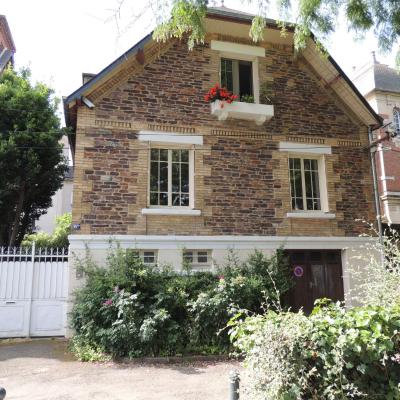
(44, 370)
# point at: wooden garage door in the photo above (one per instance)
(317, 274)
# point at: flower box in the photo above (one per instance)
(259, 113)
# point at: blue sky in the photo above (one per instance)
(61, 39)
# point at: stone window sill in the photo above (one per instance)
(171, 211)
(259, 113)
(315, 215)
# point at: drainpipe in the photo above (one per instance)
(372, 152)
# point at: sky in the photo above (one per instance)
(59, 40)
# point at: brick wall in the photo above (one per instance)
(241, 180)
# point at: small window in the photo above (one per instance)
(396, 120)
(169, 177)
(237, 77)
(197, 257)
(148, 257)
(304, 184)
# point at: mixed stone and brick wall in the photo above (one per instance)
(241, 178)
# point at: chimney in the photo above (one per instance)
(86, 77)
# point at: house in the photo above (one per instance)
(7, 46)
(380, 85)
(160, 171)
(61, 202)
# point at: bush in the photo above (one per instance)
(59, 238)
(131, 309)
(331, 354)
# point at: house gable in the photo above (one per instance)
(146, 51)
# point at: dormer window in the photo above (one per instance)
(237, 77)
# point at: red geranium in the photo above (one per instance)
(219, 93)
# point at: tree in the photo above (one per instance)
(176, 18)
(32, 164)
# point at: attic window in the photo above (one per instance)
(237, 76)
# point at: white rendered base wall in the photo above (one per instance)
(169, 249)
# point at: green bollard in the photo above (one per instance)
(234, 379)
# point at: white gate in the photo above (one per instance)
(33, 292)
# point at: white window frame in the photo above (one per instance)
(235, 51)
(317, 152)
(141, 254)
(195, 252)
(323, 189)
(191, 178)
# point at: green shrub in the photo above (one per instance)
(59, 238)
(131, 309)
(332, 354)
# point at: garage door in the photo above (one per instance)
(317, 274)
(33, 292)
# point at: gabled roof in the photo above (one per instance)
(7, 33)
(326, 67)
(86, 87)
(5, 57)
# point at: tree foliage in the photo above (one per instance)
(31, 159)
(306, 17)
(59, 238)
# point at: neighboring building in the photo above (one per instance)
(7, 46)
(380, 85)
(162, 172)
(62, 200)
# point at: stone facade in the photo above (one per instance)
(241, 178)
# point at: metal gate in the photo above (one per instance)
(33, 292)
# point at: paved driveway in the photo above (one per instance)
(44, 370)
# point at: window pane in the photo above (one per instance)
(163, 155)
(245, 78)
(296, 188)
(149, 257)
(226, 74)
(175, 177)
(202, 257)
(311, 181)
(153, 199)
(176, 199)
(175, 155)
(163, 199)
(184, 178)
(155, 154)
(184, 200)
(184, 155)
(154, 177)
(297, 203)
(163, 177)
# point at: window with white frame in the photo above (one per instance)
(170, 177)
(197, 257)
(237, 77)
(149, 257)
(304, 184)
(396, 120)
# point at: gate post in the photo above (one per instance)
(234, 379)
